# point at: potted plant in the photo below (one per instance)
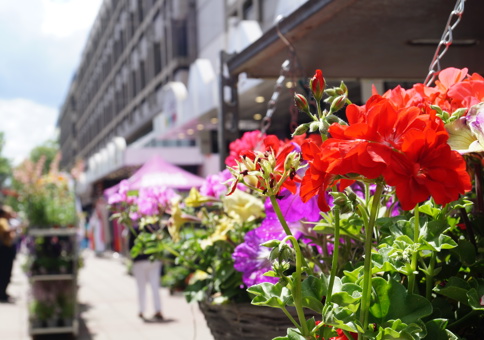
(399, 188)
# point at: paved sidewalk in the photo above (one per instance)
(108, 307)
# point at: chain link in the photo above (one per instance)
(288, 69)
(445, 41)
(271, 105)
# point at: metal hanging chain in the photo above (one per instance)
(271, 105)
(289, 64)
(445, 41)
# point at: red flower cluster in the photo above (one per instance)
(252, 165)
(249, 141)
(407, 149)
(341, 334)
(454, 89)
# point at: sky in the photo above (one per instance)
(41, 43)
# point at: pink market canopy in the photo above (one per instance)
(158, 173)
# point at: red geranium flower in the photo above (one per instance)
(250, 166)
(249, 141)
(342, 336)
(426, 166)
(408, 149)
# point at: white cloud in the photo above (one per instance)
(26, 124)
(64, 18)
(42, 41)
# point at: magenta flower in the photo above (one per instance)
(121, 195)
(214, 185)
(153, 201)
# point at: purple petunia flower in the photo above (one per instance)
(252, 259)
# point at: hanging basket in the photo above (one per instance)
(237, 321)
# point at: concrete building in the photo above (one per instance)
(152, 78)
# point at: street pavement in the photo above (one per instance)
(107, 306)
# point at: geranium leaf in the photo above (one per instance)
(436, 329)
(431, 234)
(455, 288)
(313, 290)
(293, 334)
(429, 210)
(398, 330)
(271, 295)
(476, 299)
(392, 302)
(466, 252)
(348, 297)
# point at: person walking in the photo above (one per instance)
(146, 271)
(7, 251)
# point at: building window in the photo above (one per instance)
(133, 84)
(142, 70)
(249, 12)
(180, 39)
(157, 57)
(140, 11)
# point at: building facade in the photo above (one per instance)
(148, 82)
(134, 49)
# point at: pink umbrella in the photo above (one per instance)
(158, 173)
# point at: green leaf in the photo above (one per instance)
(293, 334)
(436, 329)
(313, 290)
(349, 297)
(391, 259)
(455, 288)
(399, 330)
(429, 210)
(432, 235)
(271, 295)
(403, 228)
(475, 299)
(392, 302)
(466, 252)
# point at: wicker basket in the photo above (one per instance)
(238, 321)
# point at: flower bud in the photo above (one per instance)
(301, 102)
(338, 103)
(301, 129)
(292, 161)
(271, 243)
(342, 201)
(323, 126)
(313, 126)
(317, 85)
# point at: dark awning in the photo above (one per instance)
(390, 39)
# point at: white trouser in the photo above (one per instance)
(146, 271)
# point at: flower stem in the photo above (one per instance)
(289, 316)
(429, 278)
(413, 263)
(367, 269)
(334, 263)
(278, 212)
(296, 287)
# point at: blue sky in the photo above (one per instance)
(41, 43)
